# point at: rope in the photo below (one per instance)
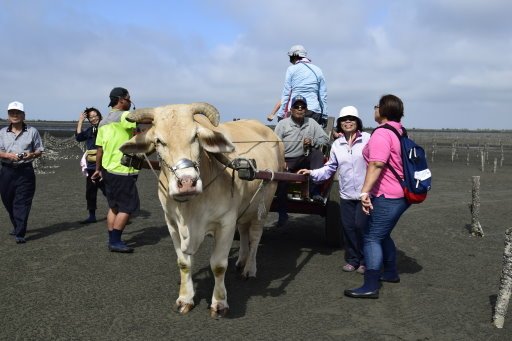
(153, 170)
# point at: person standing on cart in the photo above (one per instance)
(303, 139)
(306, 79)
(346, 157)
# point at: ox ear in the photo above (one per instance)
(140, 143)
(213, 141)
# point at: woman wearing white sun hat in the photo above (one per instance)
(346, 157)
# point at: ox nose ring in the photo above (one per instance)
(182, 164)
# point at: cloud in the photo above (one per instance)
(438, 56)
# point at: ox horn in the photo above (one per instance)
(144, 115)
(207, 110)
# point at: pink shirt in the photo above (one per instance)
(385, 147)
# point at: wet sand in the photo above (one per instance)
(63, 284)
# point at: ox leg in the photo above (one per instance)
(185, 301)
(255, 232)
(243, 251)
(219, 264)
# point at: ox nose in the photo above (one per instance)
(187, 184)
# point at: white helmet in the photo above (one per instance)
(297, 50)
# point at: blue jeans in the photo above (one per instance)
(354, 223)
(378, 245)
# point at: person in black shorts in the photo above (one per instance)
(120, 181)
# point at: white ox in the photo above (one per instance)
(198, 193)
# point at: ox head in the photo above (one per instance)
(178, 133)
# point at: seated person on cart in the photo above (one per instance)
(303, 139)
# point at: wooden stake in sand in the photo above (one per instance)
(495, 165)
(476, 228)
(502, 157)
(505, 283)
(482, 159)
(454, 150)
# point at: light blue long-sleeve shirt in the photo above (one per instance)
(300, 80)
(349, 162)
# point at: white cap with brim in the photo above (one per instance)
(348, 111)
(15, 106)
(297, 50)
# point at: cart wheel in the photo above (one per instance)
(333, 227)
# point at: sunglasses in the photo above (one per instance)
(347, 118)
(299, 107)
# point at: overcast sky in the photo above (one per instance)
(449, 60)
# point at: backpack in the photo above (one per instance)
(417, 177)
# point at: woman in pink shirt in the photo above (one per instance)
(382, 198)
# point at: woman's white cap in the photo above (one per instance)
(349, 111)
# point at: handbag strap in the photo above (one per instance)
(318, 88)
(388, 164)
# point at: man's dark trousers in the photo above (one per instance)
(17, 189)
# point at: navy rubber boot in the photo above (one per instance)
(370, 288)
(390, 273)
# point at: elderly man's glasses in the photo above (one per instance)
(299, 107)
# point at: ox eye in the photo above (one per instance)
(159, 142)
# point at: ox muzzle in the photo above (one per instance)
(187, 182)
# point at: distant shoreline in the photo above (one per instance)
(71, 126)
(64, 126)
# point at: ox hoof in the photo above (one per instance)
(246, 276)
(218, 313)
(184, 308)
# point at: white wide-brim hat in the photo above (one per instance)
(349, 111)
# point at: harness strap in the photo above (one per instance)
(229, 164)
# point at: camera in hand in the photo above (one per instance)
(21, 156)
